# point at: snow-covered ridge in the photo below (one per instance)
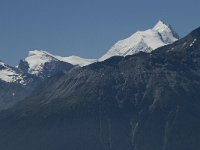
(37, 59)
(8, 74)
(76, 60)
(146, 41)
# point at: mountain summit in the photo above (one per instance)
(161, 34)
(37, 60)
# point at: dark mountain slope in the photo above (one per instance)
(140, 102)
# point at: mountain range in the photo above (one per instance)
(146, 41)
(40, 65)
(145, 96)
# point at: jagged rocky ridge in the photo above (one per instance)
(147, 101)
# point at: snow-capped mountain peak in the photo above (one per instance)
(160, 26)
(146, 41)
(166, 31)
(38, 58)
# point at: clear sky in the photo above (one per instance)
(87, 28)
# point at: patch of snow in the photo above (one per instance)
(7, 74)
(193, 42)
(184, 43)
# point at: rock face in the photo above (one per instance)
(147, 101)
(145, 41)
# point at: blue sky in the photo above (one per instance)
(87, 28)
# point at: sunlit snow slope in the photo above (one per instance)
(146, 41)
